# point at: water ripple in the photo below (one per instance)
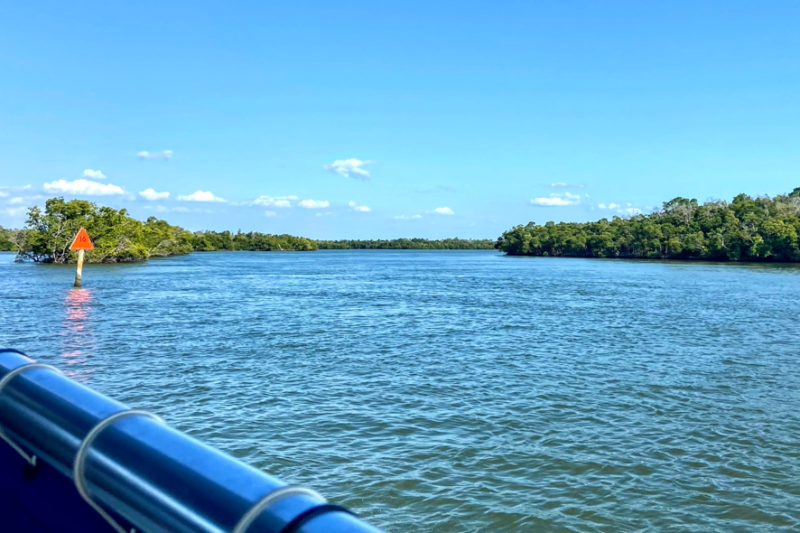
(455, 391)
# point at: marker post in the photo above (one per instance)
(79, 272)
(81, 243)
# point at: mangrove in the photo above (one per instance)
(118, 237)
(745, 229)
(408, 244)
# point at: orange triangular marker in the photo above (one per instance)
(82, 241)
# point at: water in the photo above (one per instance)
(455, 391)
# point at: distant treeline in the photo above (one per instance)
(117, 237)
(746, 229)
(8, 238)
(408, 244)
(212, 241)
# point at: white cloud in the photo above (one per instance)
(326, 214)
(17, 200)
(628, 210)
(5, 190)
(93, 174)
(443, 211)
(557, 200)
(81, 186)
(350, 168)
(277, 201)
(150, 194)
(314, 204)
(165, 155)
(165, 209)
(564, 185)
(270, 213)
(360, 208)
(201, 196)
(14, 211)
(404, 217)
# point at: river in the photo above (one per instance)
(455, 391)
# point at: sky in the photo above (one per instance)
(358, 119)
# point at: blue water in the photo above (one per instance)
(455, 391)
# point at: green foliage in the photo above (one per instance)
(408, 244)
(210, 241)
(746, 229)
(6, 239)
(116, 236)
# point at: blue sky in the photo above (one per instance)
(389, 119)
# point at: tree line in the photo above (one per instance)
(212, 241)
(408, 244)
(118, 237)
(745, 229)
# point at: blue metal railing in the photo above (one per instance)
(74, 459)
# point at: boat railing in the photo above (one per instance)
(76, 460)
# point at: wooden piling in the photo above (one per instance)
(79, 272)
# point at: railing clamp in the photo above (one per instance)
(79, 466)
(269, 499)
(31, 459)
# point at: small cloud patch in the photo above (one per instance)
(93, 174)
(564, 185)
(164, 155)
(359, 208)
(14, 211)
(349, 168)
(276, 201)
(201, 196)
(314, 204)
(164, 209)
(557, 200)
(151, 194)
(628, 210)
(83, 187)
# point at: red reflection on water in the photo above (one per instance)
(77, 332)
(78, 303)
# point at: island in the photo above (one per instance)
(118, 237)
(745, 229)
